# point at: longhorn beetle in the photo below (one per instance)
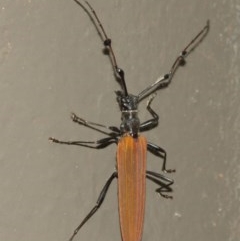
(131, 146)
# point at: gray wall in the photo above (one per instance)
(51, 64)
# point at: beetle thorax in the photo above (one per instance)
(129, 108)
(130, 123)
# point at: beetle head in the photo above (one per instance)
(126, 102)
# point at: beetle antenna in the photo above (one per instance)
(107, 42)
(165, 80)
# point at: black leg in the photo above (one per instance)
(150, 124)
(162, 181)
(159, 152)
(97, 206)
(99, 144)
(93, 125)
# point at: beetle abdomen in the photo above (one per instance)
(131, 164)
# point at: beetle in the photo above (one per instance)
(131, 146)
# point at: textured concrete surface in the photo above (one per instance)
(51, 64)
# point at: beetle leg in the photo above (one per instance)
(115, 130)
(99, 144)
(159, 152)
(150, 124)
(161, 181)
(97, 205)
